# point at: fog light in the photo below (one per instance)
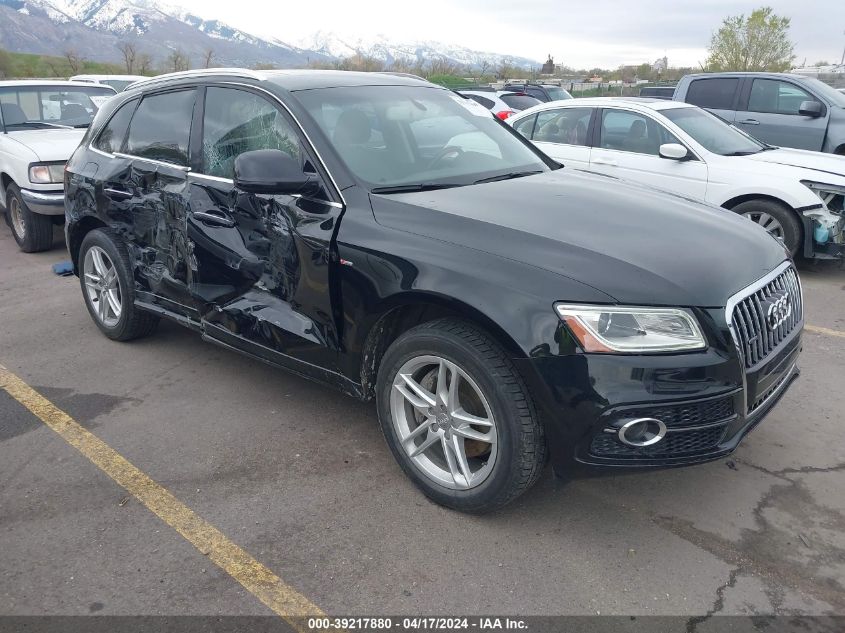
(642, 432)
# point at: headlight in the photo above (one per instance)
(832, 196)
(47, 173)
(611, 329)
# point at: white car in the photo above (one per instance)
(41, 124)
(118, 82)
(502, 103)
(796, 195)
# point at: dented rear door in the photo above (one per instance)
(155, 181)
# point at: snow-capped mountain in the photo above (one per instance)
(384, 48)
(95, 28)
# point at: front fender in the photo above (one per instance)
(382, 268)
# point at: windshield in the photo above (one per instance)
(712, 132)
(41, 107)
(828, 92)
(390, 136)
(557, 94)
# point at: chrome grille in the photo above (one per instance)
(751, 321)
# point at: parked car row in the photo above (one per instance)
(388, 237)
(502, 103)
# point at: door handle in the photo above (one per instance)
(750, 122)
(213, 219)
(604, 161)
(117, 194)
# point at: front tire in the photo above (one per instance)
(32, 231)
(458, 417)
(777, 219)
(108, 287)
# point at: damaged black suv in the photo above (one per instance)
(385, 236)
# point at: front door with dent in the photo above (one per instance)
(260, 265)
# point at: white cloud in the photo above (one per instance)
(603, 33)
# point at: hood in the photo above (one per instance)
(49, 145)
(828, 163)
(633, 243)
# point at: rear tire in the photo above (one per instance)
(108, 287)
(777, 218)
(494, 427)
(32, 231)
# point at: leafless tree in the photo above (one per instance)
(504, 70)
(177, 61)
(144, 64)
(208, 58)
(74, 60)
(442, 66)
(130, 54)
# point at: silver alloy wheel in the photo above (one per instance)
(443, 422)
(102, 285)
(766, 221)
(16, 215)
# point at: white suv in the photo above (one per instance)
(41, 123)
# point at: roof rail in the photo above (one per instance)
(202, 72)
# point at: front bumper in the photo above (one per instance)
(708, 401)
(44, 202)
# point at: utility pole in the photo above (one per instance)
(842, 61)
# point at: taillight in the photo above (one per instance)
(504, 114)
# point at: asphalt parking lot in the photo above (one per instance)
(299, 477)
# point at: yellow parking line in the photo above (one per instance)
(255, 577)
(823, 330)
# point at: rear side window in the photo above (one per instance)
(161, 127)
(537, 93)
(776, 97)
(237, 121)
(526, 126)
(717, 93)
(111, 138)
(567, 126)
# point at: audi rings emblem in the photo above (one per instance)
(779, 311)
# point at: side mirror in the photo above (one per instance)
(270, 171)
(811, 108)
(673, 151)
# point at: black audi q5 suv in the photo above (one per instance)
(385, 236)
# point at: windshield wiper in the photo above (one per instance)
(765, 148)
(38, 123)
(419, 186)
(508, 176)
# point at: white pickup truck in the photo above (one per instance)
(41, 123)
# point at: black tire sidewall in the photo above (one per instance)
(38, 229)
(12, 191)
(792, 230)
(494, 490)
(105, 241)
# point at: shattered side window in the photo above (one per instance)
(237, 121)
